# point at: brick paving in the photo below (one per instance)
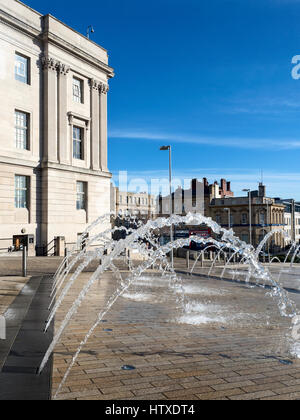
(230, 344)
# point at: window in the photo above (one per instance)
(21, 191)
(77, 90)
(244, 218)
(218, 219)
(261, 218)
(21, 130)
(77, 143)
(120, 199)
(21, 68)
(81, 195)
(244, 237)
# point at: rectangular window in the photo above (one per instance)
(21, 130)
(22, 68)
(244, 219)
(77, 143)
(81, 195)
(21, 191)
(261, 218)
(77, 90)
(244, 237)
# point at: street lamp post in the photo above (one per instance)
(270, 223)
(250, 216)
(89, 30)
(170, 187)
(229, 224)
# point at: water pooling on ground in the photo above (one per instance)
(155, 257)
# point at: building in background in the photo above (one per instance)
(195, 199)
(266, 215)
(291, 218)
(142, 204)
(53, 139)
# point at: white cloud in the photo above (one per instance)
(285, 185)
(235, 142)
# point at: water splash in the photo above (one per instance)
(143, 238)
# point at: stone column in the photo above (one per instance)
(50, 152)
(63, 149)
(95, 125)
(103, 126)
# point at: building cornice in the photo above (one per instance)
(18, 24)
(67, 168)
(37, 165)
(47, 36)
(53, 39)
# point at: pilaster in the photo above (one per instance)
(103, 127)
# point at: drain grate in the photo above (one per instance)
(285, 362)
(128, 367)
(20, 369)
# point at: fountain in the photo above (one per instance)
(142, 238)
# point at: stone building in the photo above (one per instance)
(140, 204)
(195, 199)
(266, 215)
(291, 218)
(54, 179)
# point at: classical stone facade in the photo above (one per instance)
(266, 216)
(140, 204)
(54, 179)
(291, 218)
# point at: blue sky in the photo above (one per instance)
(211, 77)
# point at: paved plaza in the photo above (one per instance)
(227, 341)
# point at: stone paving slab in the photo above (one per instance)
(10, 287)
(230, 344)
(25, 348)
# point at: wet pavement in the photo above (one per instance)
(223, 340)
(227, 342)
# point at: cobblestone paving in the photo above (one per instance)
(229, 343)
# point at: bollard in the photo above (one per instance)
(66, 254)
(188, 259)
(24, 261)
